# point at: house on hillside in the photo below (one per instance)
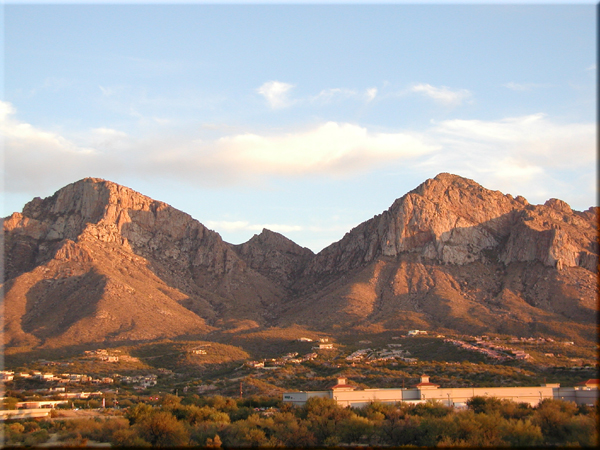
(416, 332)
(6, 375)
(324, 347)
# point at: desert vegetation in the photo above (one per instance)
(217, 421)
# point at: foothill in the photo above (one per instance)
(388, 377)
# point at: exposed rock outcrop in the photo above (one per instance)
(454, 220)
(275, 256)
(99, 262)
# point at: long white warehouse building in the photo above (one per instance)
(347, 395)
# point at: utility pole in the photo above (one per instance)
(241, 391)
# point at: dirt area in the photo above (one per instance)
(63, 414)
(54, 442)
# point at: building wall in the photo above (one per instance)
(532, 395)
(300, 398)
(364, 397)
(450, 396)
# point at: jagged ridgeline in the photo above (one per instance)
(98, 262)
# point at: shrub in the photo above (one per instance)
(128, 438)
(521, 433)
(162, 429)
(35, 438)
(137, 412)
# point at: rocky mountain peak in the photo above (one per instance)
(271, 240)
(558, 205)
(274, 256)
(451, 219)
(98, 261)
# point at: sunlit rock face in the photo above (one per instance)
(454, 220)
(99, 262)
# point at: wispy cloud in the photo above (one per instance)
(371, 93)
(517, 154)
(327, 95)
(276, 93)
(525, 86)
(527, 154)
(107, 91)
(592, 67)
(34, 157)
(331, 148)
(442, 94)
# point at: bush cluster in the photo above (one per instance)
(224, 422)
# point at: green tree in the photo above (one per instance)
(128, 438)
(221, 403)
(354, 428)
(162, 429)
(137, 412)
(35, 438)
(581, 430)
(251, 432)
(552, 417)
(9, 403)
(194, 414)
(521, 433)
(431, 408)
(324, 416)
(202, 431)
(398, 428)
(292, 431)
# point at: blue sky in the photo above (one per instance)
(304, 119)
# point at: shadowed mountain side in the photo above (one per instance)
(153, 261)
(66, 301)
(410, 292)
(275, 256)
(99, 262)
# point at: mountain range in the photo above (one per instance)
(98, 263)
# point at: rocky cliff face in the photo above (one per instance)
(98, 262)
(275, 256)
(141, 252)
(453, 220)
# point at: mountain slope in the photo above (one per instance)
(453, 255)
(98, 262)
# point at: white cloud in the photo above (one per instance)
(528, 155)
(331, 148)
(520, 155)
(107, 91)
(103, 131)
(276, 93)
(35, 156)
(592, 67)
(328, 95)
(534, 137)
(371, 94)
(442, 94)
